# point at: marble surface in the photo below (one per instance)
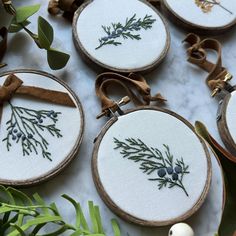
(181, 83)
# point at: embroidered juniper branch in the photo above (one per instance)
(206, 5)
(27, 127)
(170, 173)
(126, 31)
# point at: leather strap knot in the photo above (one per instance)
(129, 83)
(11, 84)
(217, 78)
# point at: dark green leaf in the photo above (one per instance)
(6, 196)
(16, 27)
(228, 162)
(45, 33)
(56, 59)
(23, 13)
(21, 199)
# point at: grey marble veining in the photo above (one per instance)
(178, 81)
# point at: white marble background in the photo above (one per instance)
(181, 83)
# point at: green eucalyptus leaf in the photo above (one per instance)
(57, 59)
(115, 227)
(19, 230)
(228, 162)
(45, 33)
(20, 215)
(21, 198)
(23, 13)
(77, 208)
(93, 217)
(6, 196)
(99, 220)
(16, 27)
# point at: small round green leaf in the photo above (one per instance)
(56, 59)
(45, 33)
(23, 13)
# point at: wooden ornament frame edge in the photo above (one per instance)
(96, 64)
(180, 21)
(223, 127)
(121, 213)
(71, 156)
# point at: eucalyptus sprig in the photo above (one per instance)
(20, 216)
(44, 36)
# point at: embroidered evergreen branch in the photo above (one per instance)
(126, 31)
(26, 126)
(170, 173)
(207, 5)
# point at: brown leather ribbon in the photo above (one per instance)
(197, 55)
(67, 6)
(130, 82)
(14, 86)
(3, 43)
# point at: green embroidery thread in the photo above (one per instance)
(125, 31)
(207, 5)
(26, 126)
(170, 173)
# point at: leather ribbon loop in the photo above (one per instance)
(197, 55)
(129, 83)
(14, 86)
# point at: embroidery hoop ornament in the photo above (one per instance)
(109, 56)
(217, 81)
(202, 10)
(23, 74)
(107, 147)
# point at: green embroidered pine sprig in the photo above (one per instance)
(27, 127)
(125, 31)
(170, 172)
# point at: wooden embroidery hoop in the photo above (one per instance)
(107, 199)
(54, 172)
(220, 78)
(222, 124)
(179, 20)
(97, 64)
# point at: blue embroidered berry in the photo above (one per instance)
(10, 132)
(41, 121)
(13, 137)
(170, 170)
(38, 117)
(15, 130)
(175, 177)
(30, 136)
(35, 122)
(55, 115)
(119, 31)
(23, 137)
(178, 169)
(19, 134)
(105, 39)
(161, 172)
